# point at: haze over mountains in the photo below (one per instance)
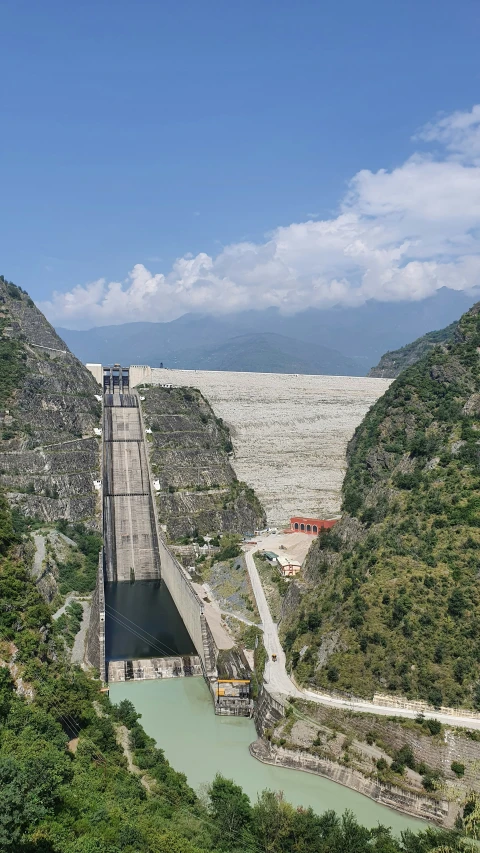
(342, 341)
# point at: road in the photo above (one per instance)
(276, 675)
(278, 680)
(37, 569)
(78, 650)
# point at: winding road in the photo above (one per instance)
(277, 679)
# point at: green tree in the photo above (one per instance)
(231, 811)
(29, 789)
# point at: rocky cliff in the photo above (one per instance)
(49, 455)
(391, 600)
(189, 454)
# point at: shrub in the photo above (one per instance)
(430, 780)
(434, 726)
(333, 673)
(405, 756)
(458, 768)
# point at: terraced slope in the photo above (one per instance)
(49, 455)
(391, 599)
(189, 451)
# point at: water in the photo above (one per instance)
(178, 713)
(143, 622)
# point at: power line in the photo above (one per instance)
(67, 719)
(136, 634)
(155, 639)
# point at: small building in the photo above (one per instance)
(289, 568)
(299, 524)
(270, 556)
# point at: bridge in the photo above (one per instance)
(136, 564)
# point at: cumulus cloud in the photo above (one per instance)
(398, 234)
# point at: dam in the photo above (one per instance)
(289, 432)
(147, 621)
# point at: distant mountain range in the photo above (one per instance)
(345, 341)
(270, 353)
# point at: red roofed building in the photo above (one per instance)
(298, 524)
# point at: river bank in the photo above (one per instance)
(439, 811)
(178, 714)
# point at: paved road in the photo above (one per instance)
(78, 650)
(275, 672)
(61, 610)
(278, 680)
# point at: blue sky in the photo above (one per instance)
(137, 133)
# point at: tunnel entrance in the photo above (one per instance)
(143, 622)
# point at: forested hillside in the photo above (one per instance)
(392, 596)
(392, 363)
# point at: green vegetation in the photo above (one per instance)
(229, 547)
(253, 639)
(64, 782)
(13, 366)
(394, 594)
(392, 363)
(79, 573)
(68, 624)
(274, 585)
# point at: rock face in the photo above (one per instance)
(440, 811)
(197, 489)
(49, 455)
(397, 578)
(392, 363)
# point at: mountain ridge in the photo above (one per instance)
(49, 455)
(392, 363)
(363, 333)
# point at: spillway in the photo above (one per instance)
(147, 621)
(130, 537)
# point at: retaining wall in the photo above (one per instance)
(440, 811)
(96, 630)
(186, 600)
(178, 583)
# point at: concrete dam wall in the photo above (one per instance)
(190, 608)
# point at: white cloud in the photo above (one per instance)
(399, 234)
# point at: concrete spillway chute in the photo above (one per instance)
(134, 549)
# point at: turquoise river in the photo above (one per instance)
(178, 713)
